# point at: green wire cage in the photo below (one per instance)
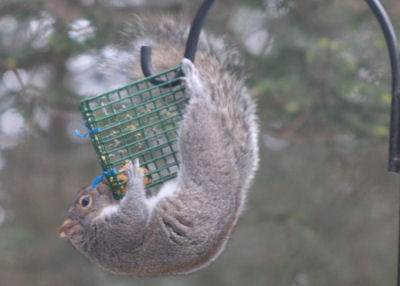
(139, 120)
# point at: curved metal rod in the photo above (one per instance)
(391, 42)
(190, 51)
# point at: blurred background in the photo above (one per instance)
(322, 209)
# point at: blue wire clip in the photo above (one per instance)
(100, 178)
(89, 131)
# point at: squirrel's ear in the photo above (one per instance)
(103, 188)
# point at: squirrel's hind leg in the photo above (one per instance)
(206, 150)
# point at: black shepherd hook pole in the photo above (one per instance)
(391, 42)
(191, 46)
(394, 139)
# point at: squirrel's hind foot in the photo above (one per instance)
(192, 79)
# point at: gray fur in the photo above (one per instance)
(189, 228)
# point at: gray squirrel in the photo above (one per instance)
(187, 224)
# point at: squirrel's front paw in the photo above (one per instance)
(135, 174)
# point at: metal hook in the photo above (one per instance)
(190, 51)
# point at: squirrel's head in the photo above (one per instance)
(85, 207)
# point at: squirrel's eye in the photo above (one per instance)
(85, 201)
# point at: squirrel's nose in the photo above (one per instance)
(69, 228)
